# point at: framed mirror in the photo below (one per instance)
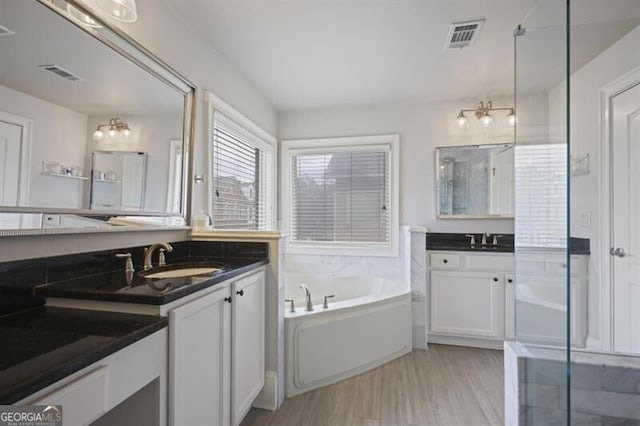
(91, 124)
(475, 182)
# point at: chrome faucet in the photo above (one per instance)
(148, 253)
(484, 238)
(308, 295)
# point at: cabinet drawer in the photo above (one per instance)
(490, 262)
(445, 260)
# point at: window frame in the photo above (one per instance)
(290, 148)
(259, 137)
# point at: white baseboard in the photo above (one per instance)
(466, 341)
(267, 399)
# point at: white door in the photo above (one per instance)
(247, 343)
(467, 304)
(625, 241)
(199, 352)
(10, 144)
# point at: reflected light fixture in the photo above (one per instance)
(483, 113)
(113, 128)
(121, 10)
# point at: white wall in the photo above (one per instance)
(586, 85)
(58, 135)
(167, 35)
(422, 127)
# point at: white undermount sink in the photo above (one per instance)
(183, 272)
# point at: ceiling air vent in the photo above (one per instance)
(5, 31)
(61, 72)
(463, 34)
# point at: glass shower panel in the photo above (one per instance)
(542, 295)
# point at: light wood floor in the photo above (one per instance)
(445, 385)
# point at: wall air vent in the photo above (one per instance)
(61, 72)
(5, 31)
(463, 34)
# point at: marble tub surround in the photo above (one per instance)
(43, 345)
(445, 241)
(19, 279)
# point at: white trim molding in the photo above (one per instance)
(26, 124)
(612, 89)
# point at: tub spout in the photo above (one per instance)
(307, 293)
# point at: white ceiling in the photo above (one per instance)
(306, 54)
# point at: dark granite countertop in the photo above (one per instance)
(41, 346)
(112, 286)
(440, 241)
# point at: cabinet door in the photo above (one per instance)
(247, 353)
(467, 304)
(199, 350)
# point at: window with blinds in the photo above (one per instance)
(241, 180)
(541, 195)
(341, 197)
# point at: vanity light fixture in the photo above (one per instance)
(114, 127)
(483, 113)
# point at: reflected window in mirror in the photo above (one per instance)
(475, 181)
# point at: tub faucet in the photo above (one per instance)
(148, 253)
(307, 293)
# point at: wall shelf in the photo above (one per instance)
(65, 176)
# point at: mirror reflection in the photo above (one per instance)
(81, 126)
(475, 181)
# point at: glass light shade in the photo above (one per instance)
(122, 10)
(98, 134)
(511, 118)
(486, 119)
(126, 133)
(112, 133)
(82, 17)
(461, 120)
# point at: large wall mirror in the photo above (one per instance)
(91, 124)
(475, 182)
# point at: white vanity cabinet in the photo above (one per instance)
(473, 296)
(217, 353)
(467, 297)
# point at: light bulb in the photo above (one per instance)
(83, 17)
(486, 119)
(126, 133)
(112, 132)
(511, 118)
(461, 120)
(98, 134)
(122, 10)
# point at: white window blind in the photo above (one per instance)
(341, 197)
(541, 195)
(241, 177)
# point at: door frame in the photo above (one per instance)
(26, 124)
(605, 228)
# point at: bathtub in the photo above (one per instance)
(368, 323)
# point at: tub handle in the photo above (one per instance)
(292, 309)
(325, 305)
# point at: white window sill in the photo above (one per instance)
(343, 251)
